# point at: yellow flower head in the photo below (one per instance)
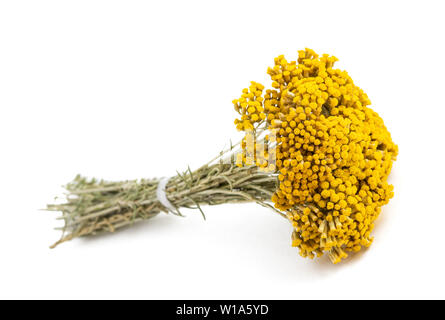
(333, 152)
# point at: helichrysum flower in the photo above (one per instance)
(333, 152)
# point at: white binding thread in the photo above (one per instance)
(162, 195)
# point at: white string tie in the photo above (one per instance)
(162, 195)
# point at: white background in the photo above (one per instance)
(132, 89)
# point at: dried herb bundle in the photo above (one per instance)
(324, 165)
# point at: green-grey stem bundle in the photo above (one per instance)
(94, 206)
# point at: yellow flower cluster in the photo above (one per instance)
(333, 153)
(250, 106)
